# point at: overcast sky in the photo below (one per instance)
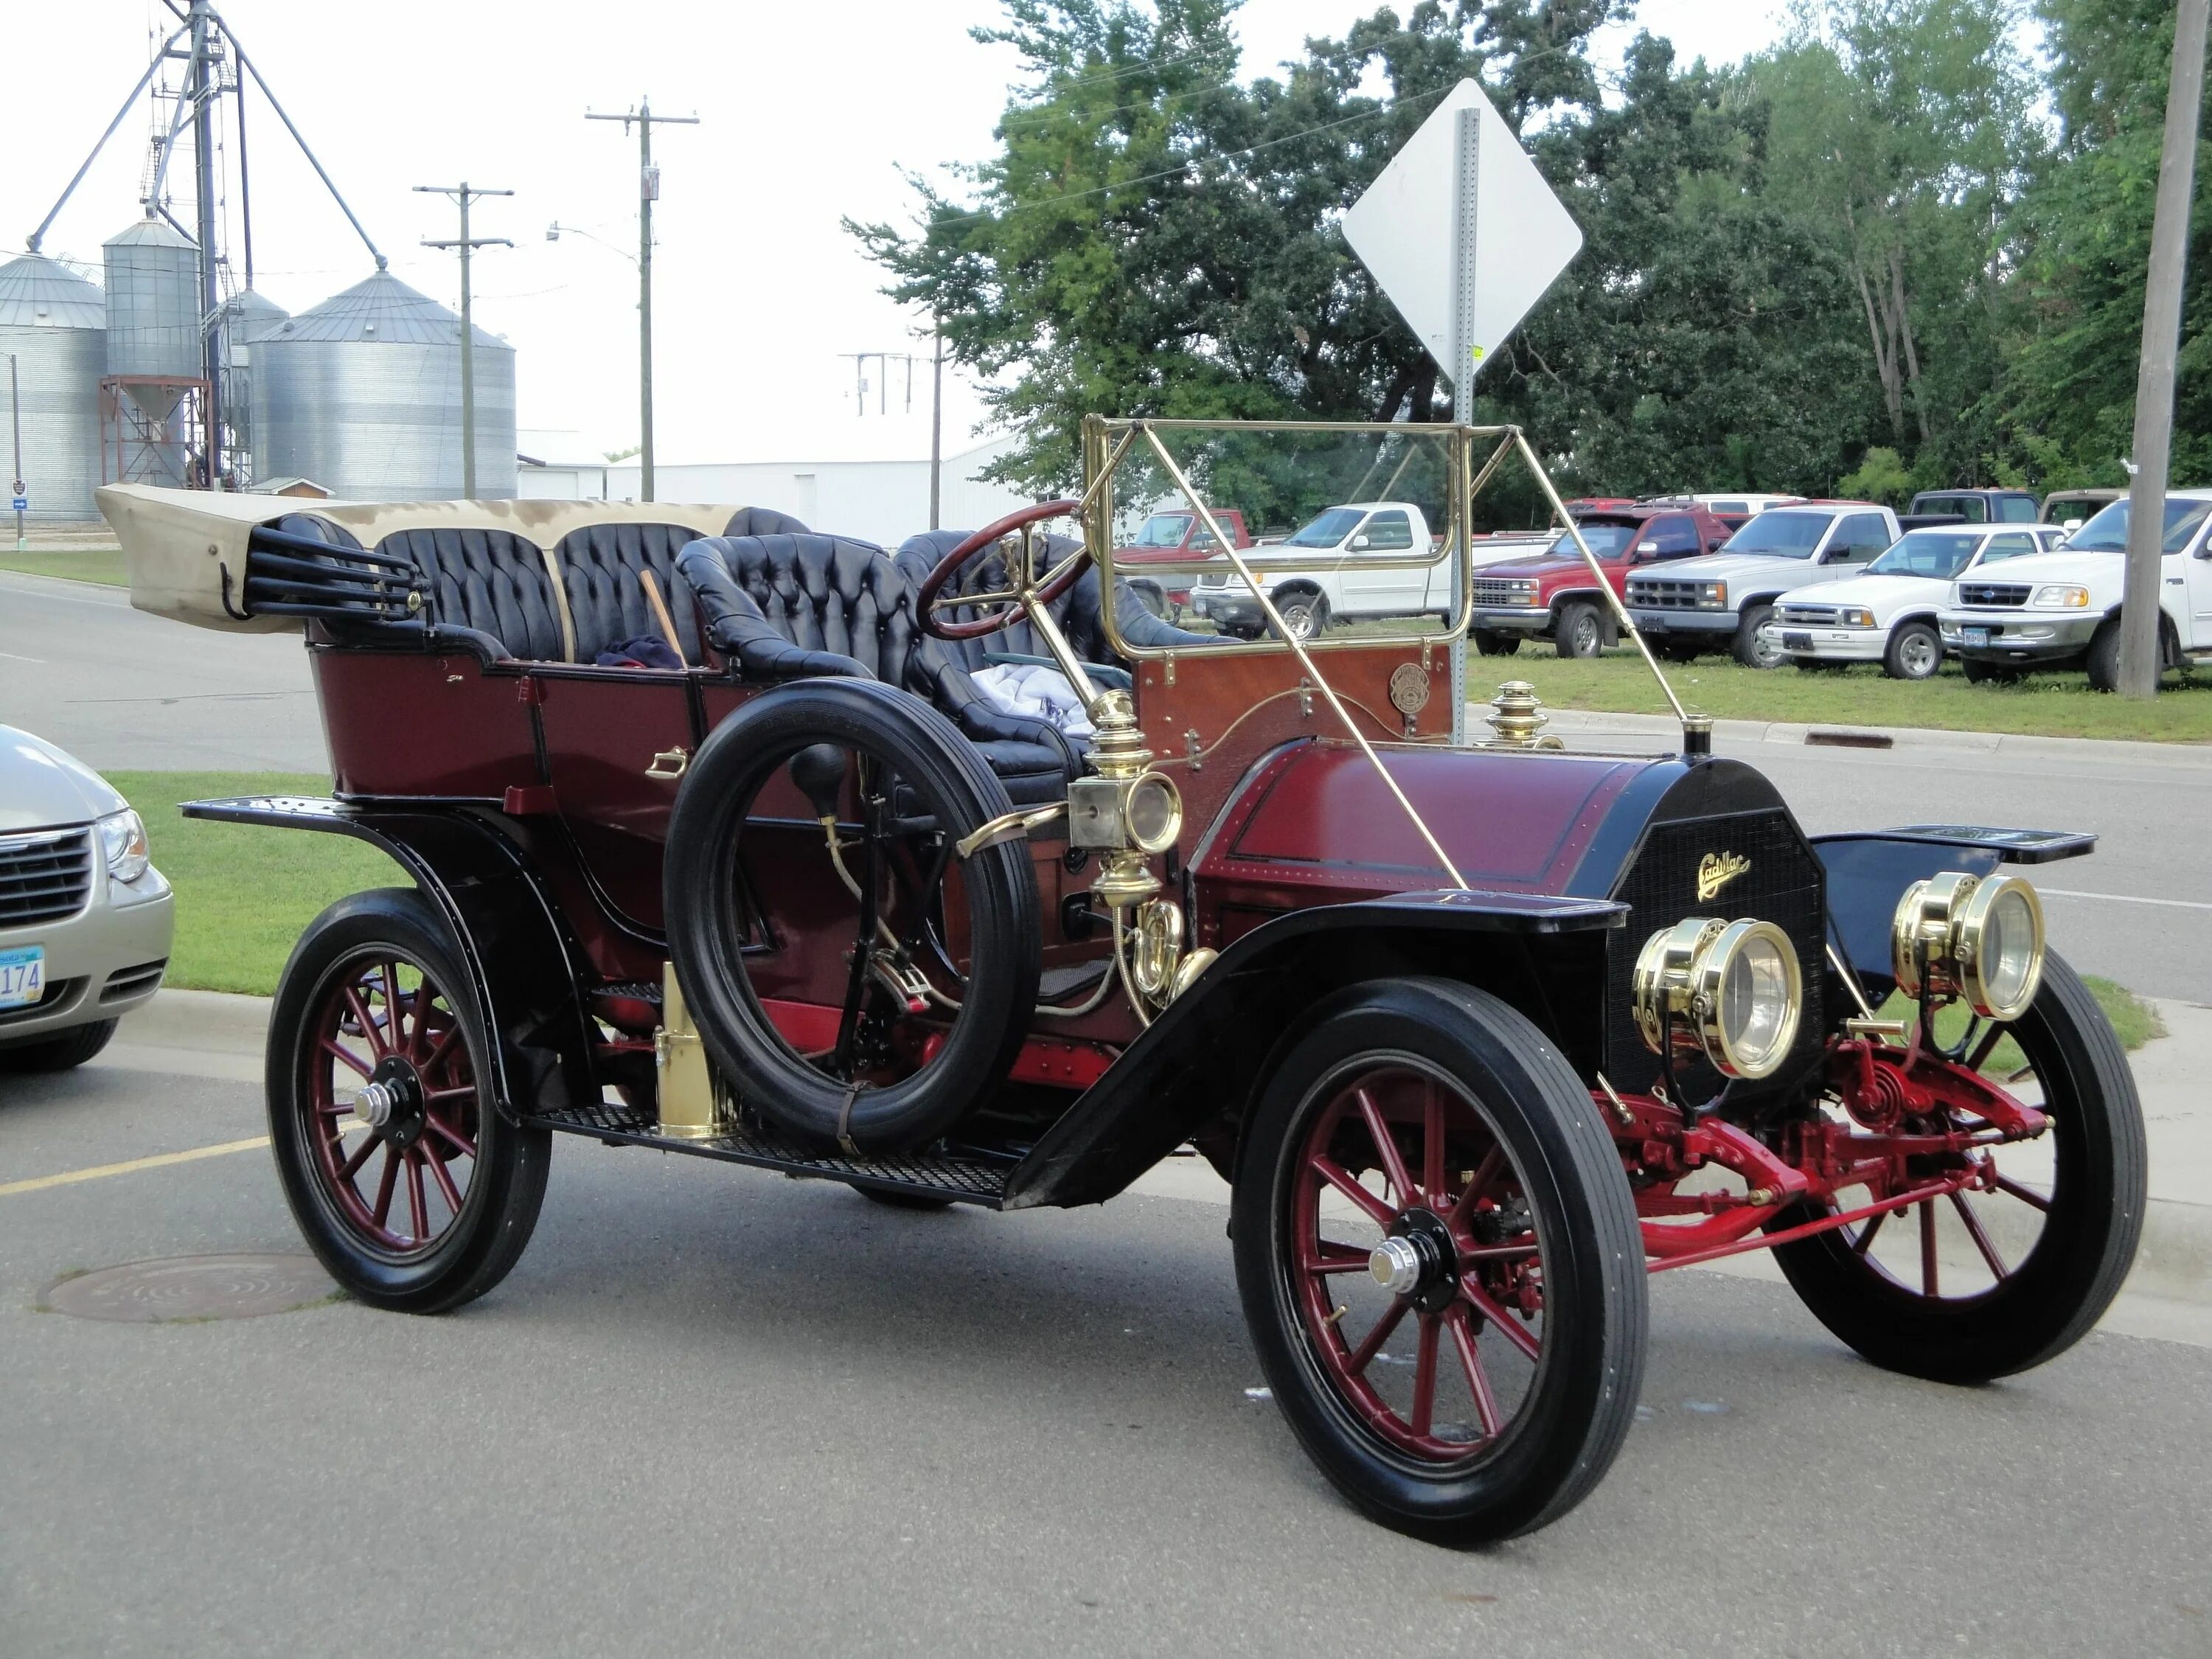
(808, 112)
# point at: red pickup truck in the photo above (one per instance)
(1175, 536)
(1552, 597)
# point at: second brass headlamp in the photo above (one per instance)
(1975, 939)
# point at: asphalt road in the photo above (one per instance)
(121, 689)
(715, 1410)
(118, 688)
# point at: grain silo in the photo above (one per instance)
(362, 394)
(54, 322)
(247, 316)
(154, 342)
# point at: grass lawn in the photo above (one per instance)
(245, 892)
(2058, 705)
(102, 564)
(2134, 1021)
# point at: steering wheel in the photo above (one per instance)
(933, 603)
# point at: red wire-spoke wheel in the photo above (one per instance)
(2020, 1265)
(408, 1183)
(1439, 1262)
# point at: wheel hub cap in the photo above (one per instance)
(391, 1101)
(1395, 1265)
(1418, 1262)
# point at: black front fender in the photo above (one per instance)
(1198, 1061)
(524, 971)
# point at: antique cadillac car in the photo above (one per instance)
(1477, 1034)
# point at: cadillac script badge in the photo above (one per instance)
(1717, 870)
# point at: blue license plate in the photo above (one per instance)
(22, 976)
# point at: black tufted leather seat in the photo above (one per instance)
(784, 606)
(600, 568)
(491, 581)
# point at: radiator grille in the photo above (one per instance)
(1805, 616)
(2013, 594)
(129, 982)
(44, 877)
(1498, 591)
(1783, 885)
(1665, 593)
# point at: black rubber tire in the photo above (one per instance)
(1746, 646)
(60, 1052)
(1583, 1398)
(1978, 672)
(2089, 1236)
(1915, 650)
(507, 1186)
(1581, 630)
(1149, 595)
(1307, 603)
(705, 926)
(2103, 660)
(892, 1200)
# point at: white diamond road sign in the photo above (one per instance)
(1463, 232)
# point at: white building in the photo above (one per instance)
(880, 501)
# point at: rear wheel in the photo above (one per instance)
(2103, 661)
(2016, 1270)
(1915, 651)
(1580, 630)
(1488, 643)
(1749, 647)
(408, 1184)
(1438, 1261)
(58, 1053)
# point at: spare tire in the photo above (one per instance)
(938, 775)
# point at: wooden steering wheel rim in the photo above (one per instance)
(949, 565)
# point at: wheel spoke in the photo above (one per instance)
(417, 1207)
(1982, 1241)
(1470, 1361)
(1327, 1258)
(352, 1165)
(2026, 1194)
(1484, 1173)
(369, 1029)
(1386, 1144)
(459, 1092)
(1358, 1362)
(385, 1185)
(1425, 1376)
(1860, 1245)
(1504, 1322)
(337, 1050)
(461, 1143)
(443, 1177)
(1342, 1179)
(1927, 1209)
(392, 1012)
(1432, 1145)
(438, 1050)
(1984, 1049)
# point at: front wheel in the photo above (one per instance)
(1439, 1262)
(2017, 1269)
(1580, 631)
(1751, 646)
(58, 1053)
(1915, 651)
(407, 1183)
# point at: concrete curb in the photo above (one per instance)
(222, 1035)
(1585, 722)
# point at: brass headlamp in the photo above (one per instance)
(1975, 939)
(1730, 992)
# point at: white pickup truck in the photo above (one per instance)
(2058, 608)
(1353, 560)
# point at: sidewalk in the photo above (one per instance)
(208, 1034)
(1659, 732)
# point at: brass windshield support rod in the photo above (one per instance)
(1297, 649)
(1619, 608)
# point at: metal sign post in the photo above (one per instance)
(1463, 294)
(15, 408)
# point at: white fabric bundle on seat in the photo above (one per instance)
(1035, 692)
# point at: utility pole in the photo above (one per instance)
(2161, 332)
(464, 193)
(936, 424)
(648, 192)
(202, 86)
(16, 404)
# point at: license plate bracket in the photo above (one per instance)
(1793, 640)
(1973, 636)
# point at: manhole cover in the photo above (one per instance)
(192, 1288)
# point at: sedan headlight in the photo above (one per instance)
(1976, 939)
(1730, 991)
(2060, 596)
(123, 840)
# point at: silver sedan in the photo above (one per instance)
(86, 920)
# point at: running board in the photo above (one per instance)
(965, 1181)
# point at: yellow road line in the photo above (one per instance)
(70, 1176)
